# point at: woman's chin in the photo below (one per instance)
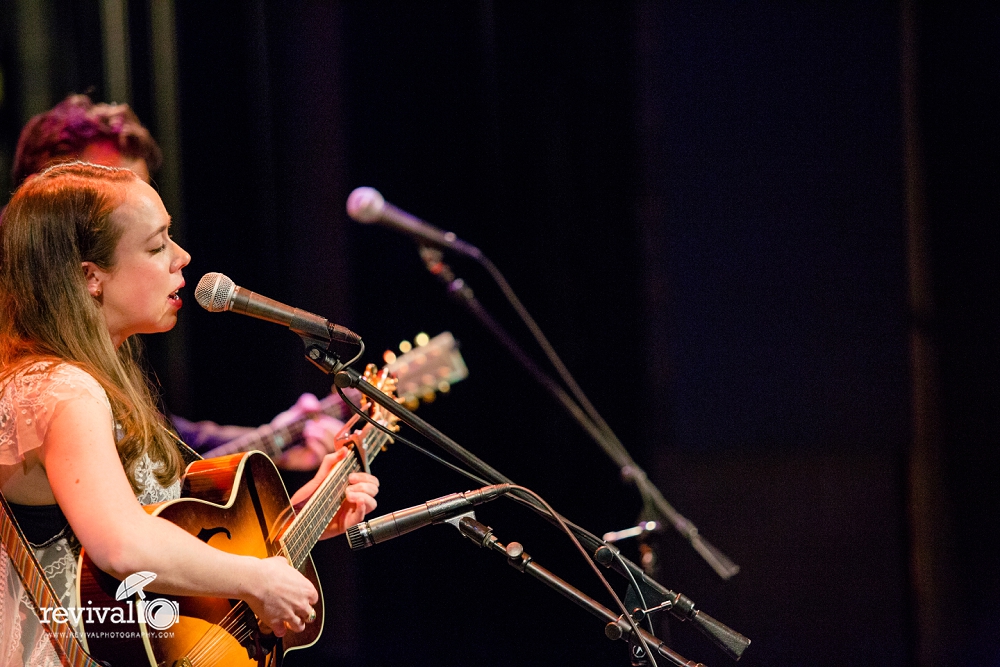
(166, 324)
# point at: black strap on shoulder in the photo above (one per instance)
(188, 454)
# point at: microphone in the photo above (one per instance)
(635, 531)
(216, 293)
(388, 526)
(368, 205)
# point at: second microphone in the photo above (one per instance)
(388, 526)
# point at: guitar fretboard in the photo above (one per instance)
(312, 520)
(42, 595)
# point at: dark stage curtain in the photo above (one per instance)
(707, 207)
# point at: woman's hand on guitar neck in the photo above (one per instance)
(359, 496)
(280, 596)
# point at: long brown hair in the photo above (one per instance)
(57, 220)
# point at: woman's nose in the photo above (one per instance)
(182, 258)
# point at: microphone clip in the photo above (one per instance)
(319, 354)
(433, 259)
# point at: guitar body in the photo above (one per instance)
(237, 504)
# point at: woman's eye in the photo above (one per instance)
(159, 249)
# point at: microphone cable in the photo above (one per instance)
(582, 410)
(366, 205)
(541, 506)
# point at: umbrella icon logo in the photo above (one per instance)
(133, 584)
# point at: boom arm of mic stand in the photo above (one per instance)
(730, 641)
(630, 470)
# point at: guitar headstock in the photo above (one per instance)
(383, 380)
(430, 366)
(426, 367)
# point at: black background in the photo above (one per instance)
(702, 204)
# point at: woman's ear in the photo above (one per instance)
(93, 275)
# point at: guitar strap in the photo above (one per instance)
(39, 590)
(188, 454)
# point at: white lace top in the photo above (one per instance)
(28, 404)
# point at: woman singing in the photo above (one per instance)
(86, 262)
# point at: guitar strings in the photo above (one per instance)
(203, 648)
(326, 497)
(319, 519)
(306, 528)
(217, 649)
(329, 496)
(312, 526)
(211, 644)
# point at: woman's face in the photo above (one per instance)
(139, 293)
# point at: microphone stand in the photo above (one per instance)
(459, 290)
(616, 628)
(682, 607)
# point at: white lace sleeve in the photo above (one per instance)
(34, 397)
(150, 489)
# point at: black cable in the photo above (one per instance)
(587, 416)
(593, 566)
(548, 509)
(616, 553)
(361, 351)
(637, 589)
(612, 442)
(395, 436)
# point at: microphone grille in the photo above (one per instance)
(214, 292)
(357, 537)
(365, 205)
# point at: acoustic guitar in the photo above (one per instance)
(239, 504)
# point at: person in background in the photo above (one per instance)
(112, 135)
(86, 263)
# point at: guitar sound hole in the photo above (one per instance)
(205, 534)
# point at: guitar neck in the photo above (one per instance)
(64, 641)
(419, 372)
(305, 530)
(275, 440)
